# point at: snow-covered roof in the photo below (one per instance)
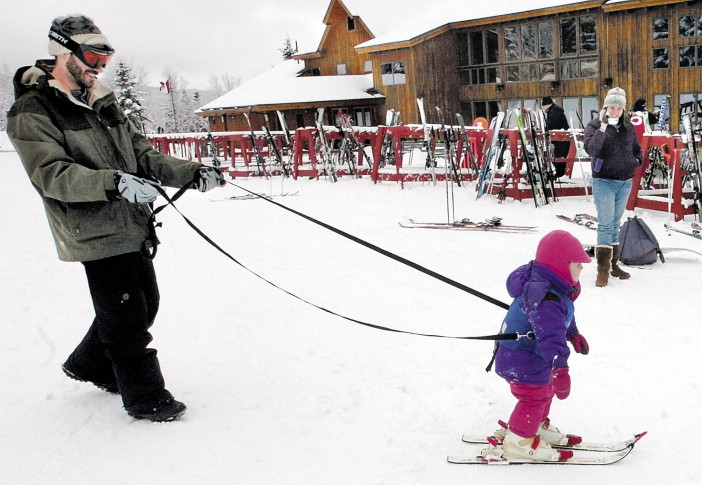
(281, 85)
(438, 14)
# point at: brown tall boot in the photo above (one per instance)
(617, 272)
(603, 255)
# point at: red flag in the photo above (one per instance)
(165, 85)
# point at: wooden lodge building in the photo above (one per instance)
(478, 58)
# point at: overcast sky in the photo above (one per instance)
(195, 38)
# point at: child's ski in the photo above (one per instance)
(598, 459)
(599, 447)
(493, 456)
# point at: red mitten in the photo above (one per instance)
(560, 380)
(580, 344)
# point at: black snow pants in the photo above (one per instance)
(125, 297)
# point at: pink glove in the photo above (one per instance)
(560, 381)
(580, 344)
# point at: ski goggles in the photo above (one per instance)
(90, 55)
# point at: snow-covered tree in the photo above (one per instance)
(128, 97)
(288, 50)
(6, 95)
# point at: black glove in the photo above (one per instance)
(136, 189)
(207, 178)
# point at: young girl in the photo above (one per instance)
(537, 368)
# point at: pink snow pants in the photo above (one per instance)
(533, 406)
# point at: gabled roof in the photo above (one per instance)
(282, 86)
(378, 16)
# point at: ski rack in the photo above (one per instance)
(305, 160)
(671, 147)
(399, 133)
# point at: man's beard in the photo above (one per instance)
(77, 72)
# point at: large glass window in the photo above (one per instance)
(578, 35)
(483, 53)
(530, 51)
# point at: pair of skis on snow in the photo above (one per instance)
(695, 231)
(492, 224)
(588, 453)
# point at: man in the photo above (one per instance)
(96, 175)
(556, 120)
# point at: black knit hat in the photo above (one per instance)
(80, 29)
(546, 100)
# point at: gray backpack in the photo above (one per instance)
(637, 244)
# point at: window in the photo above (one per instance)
(341, 69)
(690, 104)
(392, 73)
(577, 109)
(690, 25)
(661, 58)
(578, 47)
(479, 49)
(350, 23)
(660, 29)
(368, 66)
(579, 35)
(480, 109)
(690, 56)
(363, 116)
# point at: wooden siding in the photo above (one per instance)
(630, 61)
(338, 45)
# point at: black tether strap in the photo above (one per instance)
(412, 264)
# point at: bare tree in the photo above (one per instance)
(223, 83)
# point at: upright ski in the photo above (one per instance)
(324, 150)
(260, 161)
(694, 169)
(532, 174)
(492, 155)
(431, 162)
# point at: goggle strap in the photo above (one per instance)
(74, 46)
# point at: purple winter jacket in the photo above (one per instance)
(543, 304)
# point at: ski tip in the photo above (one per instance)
(637, 437)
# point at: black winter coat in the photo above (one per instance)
(617, 147)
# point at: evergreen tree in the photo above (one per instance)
(288, 50)
(127, 95)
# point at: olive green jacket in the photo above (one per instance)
(71, 152)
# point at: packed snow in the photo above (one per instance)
(279, 392)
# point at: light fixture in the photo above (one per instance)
(607, 82)
(554, 85)
(499, 87)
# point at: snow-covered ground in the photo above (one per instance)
(282, 393)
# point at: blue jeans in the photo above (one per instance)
(610, 201)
